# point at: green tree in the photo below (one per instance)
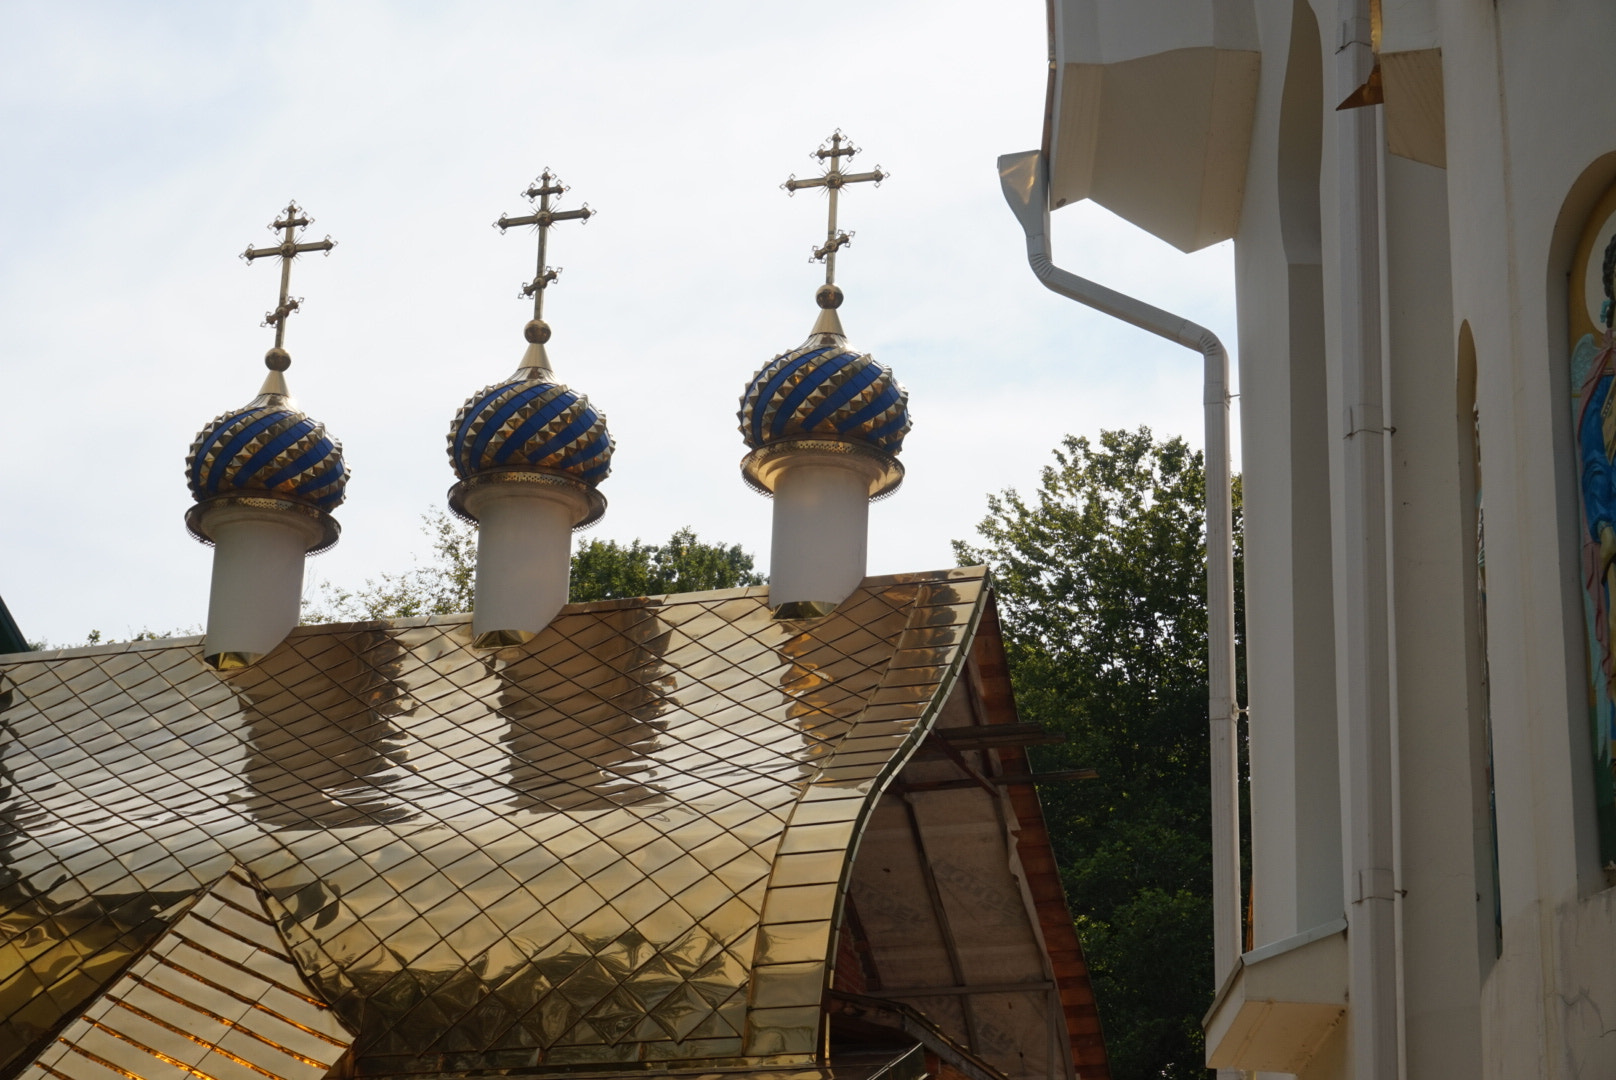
(603, 569)
(1101, 581)
(444, 583)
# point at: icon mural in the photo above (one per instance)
(1593, 376)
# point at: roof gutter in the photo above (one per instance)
(1025, 180)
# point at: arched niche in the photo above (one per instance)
(1585, 378)
(1484, 809)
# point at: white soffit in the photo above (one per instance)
(1410, 55)
(1153, 109)
(1281, 1003)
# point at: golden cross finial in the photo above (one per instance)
(291, 224)
(834, 179)
(546, 187)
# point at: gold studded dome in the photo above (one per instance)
(825, 389)
(530, 421)
(268, 448)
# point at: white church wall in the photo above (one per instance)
(1544, 804)
(1515, 150)
(1438, 882)
(1518, 100)
(1295, 816)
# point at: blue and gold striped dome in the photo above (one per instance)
(268, 448)
(825, 390)
(530, 421)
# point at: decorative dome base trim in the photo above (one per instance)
(330, 530)
(761, 468)
(596, 501)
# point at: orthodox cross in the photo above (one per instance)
(546, 187)
(833, 180)
(291, 224)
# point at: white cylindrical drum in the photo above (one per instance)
(257, 588)
(821, 528)
(524, 557)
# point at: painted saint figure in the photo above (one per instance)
(1596, 442)
(1593, 367)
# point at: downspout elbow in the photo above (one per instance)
(1043, 267)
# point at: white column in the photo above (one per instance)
(821, 527)
(257, 587)
(524, 557)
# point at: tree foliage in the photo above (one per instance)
(444, 583)
(1101, 582)
(603, 569)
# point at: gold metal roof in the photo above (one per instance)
(215, 996)
(620, 843)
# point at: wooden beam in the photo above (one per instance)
(900, 992)
(1054, 777)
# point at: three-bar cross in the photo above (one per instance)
(291, 224)
(546, 187)
(833, 180)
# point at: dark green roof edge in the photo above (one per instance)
(11, 639)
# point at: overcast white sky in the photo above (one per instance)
(147, 144)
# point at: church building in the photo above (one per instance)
(786, 832)
(1421, 196)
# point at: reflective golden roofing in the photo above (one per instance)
(215, 994)
(620, 843)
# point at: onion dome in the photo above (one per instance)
(269, 449)
(533, 429)
(825, 389)
(827, 397)
(530, 422)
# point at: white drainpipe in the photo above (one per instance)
(1365, 626)
(1024, 178)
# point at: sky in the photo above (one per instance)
(147, 145)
